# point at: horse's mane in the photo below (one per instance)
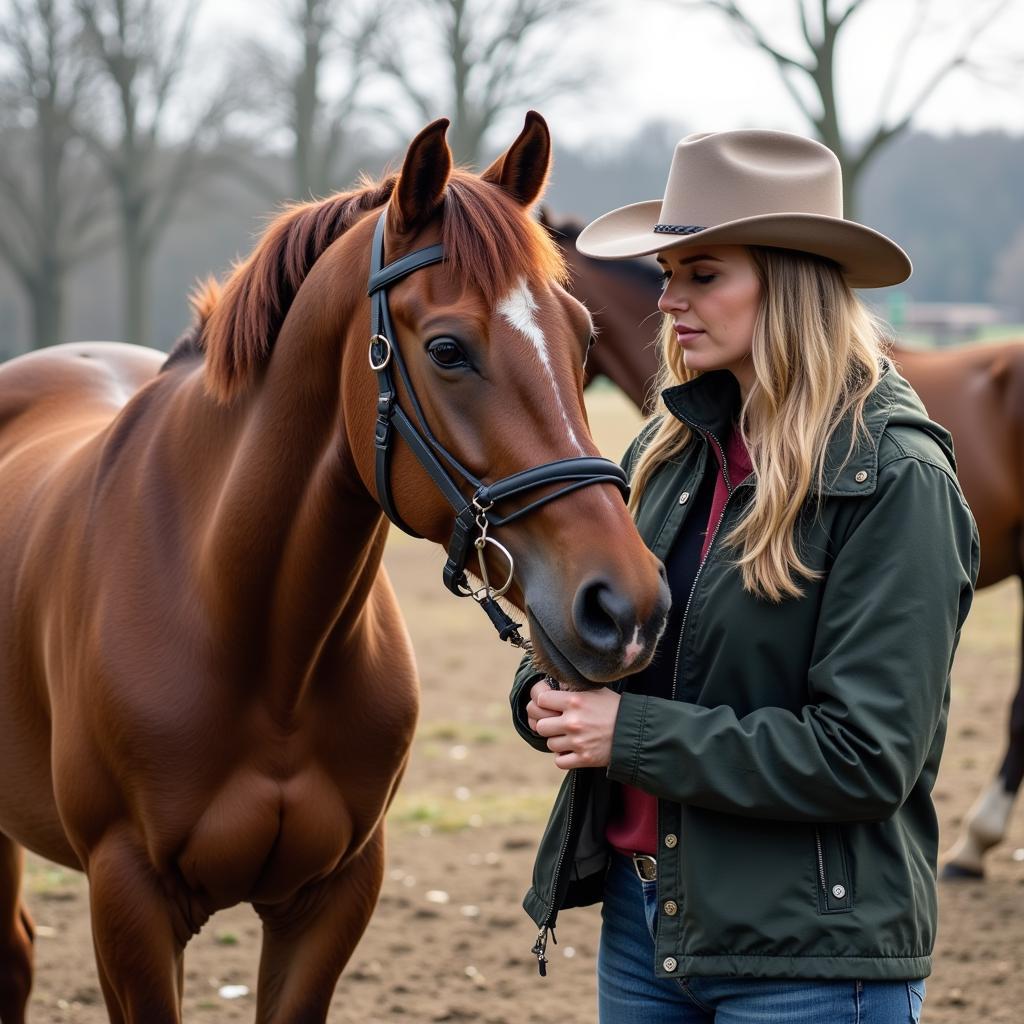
(489, 239)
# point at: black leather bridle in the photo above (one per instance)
(477, 515)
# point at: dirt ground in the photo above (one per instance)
(449, 941)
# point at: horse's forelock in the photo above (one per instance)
(490, 241)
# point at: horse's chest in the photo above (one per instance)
(260, 839)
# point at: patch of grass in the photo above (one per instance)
(448, 814)
(458, 732)
(43, 878)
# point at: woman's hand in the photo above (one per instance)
(578, 725)
(534, 712)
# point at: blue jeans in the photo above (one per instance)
(629, 992)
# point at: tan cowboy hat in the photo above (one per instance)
(751, 187)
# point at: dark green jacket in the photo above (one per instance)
(794, 764)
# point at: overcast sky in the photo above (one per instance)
(650, 59)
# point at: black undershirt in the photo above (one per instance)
(681, 565)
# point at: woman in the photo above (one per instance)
(754, 807)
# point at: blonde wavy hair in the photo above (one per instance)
(817, 354)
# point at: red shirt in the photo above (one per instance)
(634, 828)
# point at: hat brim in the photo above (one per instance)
(867, 258)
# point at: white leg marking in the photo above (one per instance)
(984, 827)
(519, 308)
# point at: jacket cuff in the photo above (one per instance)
(520, 698)
(628, 737)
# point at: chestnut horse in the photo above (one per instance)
(207, 694)
(976, 392)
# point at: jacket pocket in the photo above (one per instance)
(832, 867)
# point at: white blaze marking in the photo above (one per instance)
(519, 308)
(633, 649)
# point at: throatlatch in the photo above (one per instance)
(475, 517)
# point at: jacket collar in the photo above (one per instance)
(710, 404)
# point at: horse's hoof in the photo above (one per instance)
(953, 872)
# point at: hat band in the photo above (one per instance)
(678, 229)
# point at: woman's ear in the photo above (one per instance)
(424, 175)
(522, 170)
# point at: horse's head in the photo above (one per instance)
(482, 350)
(623, 296)
(493, 349)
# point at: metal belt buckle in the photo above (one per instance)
(646, 867)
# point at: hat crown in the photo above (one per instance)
(717, 177)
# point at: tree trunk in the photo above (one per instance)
(850, 185)
(47, 303)
(135, 299)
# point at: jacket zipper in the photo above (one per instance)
(540, 946)
(821, 864)
(539, 949)
(721, 519)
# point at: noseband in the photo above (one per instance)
(475, 517)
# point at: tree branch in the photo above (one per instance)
(743, 21)
(884, 134)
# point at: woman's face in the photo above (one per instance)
(712, 293)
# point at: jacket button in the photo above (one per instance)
(671, 841)
(861, 476)
(684, 497)
(839, 891)
(671, 908)
(670, 963)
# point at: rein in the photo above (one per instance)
(475, 517)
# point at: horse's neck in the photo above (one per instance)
(294, 541)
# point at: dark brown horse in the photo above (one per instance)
(977, 392)
(207, 693)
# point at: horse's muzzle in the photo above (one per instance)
(605, 638)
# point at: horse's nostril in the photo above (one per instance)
(604, 617)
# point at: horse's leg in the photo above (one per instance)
(109, 995)
(987, 820)
(139, 935)
(307, 943)
(16, 936)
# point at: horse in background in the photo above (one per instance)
(975, 391)
(207, 692)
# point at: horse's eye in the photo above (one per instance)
(447, 352)
(591, 342)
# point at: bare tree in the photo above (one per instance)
(141, 53)
(487, 57)
(49, 203)
(311, 82)
(810, 77)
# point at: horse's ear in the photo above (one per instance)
(421, 184)
(522, 170)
